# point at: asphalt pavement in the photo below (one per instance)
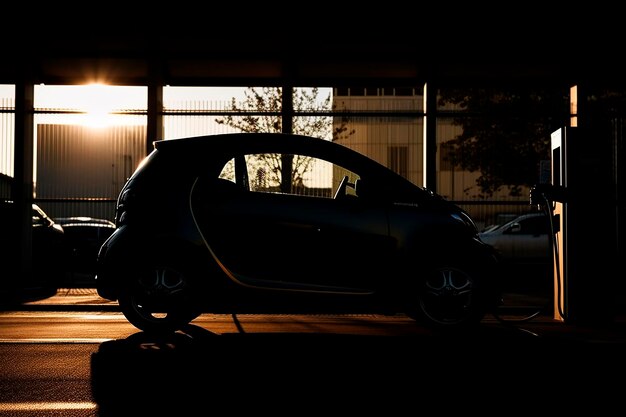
(507, 363)
(501, 366)
(509, 322)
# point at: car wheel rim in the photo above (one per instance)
(160, 294)
(447, 296)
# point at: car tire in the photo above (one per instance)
(449, 297)
(159, 299)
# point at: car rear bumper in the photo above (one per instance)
(106, 282)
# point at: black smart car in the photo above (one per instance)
(255, 222)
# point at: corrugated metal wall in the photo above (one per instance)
(80, 170)
(383, 133)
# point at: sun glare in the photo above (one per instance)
(99, 105)
(96, 105)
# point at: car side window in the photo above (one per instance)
(235, 171)
(228, 172)
(305, 175)
(530, 226)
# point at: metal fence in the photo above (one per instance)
(80, 168)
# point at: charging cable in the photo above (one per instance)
(548, 206)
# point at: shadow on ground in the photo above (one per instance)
(305, 373)
(12, 297)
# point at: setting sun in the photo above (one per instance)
(99, 108)
(93, 105)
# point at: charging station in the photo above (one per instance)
(584, 226)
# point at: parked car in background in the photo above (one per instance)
(48, 250)
(525, 239)
(83, 220)
(524, 248)
(48, 255)
(500, 219)
(83, 238)
(205, 224)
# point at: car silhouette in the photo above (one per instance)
(524, 239)
(525, 252)
(48, 240)
(84, 236)
(275, 223)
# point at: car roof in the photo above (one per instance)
(526, 215)
(88, 224)
(261, 143)
(520, 217)
(82, 220)
(231, 140)
(523, 217)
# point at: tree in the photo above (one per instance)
(261, 111)
(505, 134)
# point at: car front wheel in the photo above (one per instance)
(158, 300)
(448, 297)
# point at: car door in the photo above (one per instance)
(299, 238)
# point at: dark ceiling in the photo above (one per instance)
(341, 54)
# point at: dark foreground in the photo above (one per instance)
(497, 368)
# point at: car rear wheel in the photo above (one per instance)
(159, 299)
(448, 297)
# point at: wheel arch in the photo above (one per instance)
(473, 258)
(120, 260)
